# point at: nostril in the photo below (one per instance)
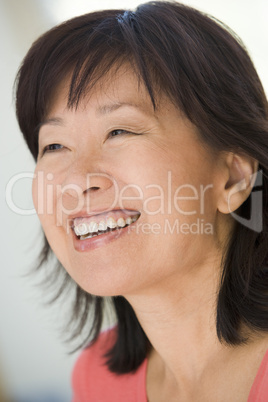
(94, 188)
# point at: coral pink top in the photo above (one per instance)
(93, 382)
(259, 390)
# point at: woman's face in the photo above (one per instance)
(120, 163)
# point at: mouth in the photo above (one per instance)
(102, 224)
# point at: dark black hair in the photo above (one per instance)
(205, 70)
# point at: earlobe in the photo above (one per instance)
(239, 180)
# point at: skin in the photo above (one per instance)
(171, 280)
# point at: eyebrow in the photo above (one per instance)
(53, 121)
(101, 111)
(109, 108)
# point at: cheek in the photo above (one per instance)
(44, 195)
(45, 199)
(39, 193)
(172, 185)
(35, 191)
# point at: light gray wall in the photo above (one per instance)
(33, 359)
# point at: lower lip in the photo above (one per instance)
(100, 240)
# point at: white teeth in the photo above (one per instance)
(128, 221)
(121, 222)
(76, 231)
(81, 229)
(88, 236)
(93, 227)
(111, 223)
(102, 226)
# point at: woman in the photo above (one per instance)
(149, 129)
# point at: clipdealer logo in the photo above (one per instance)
(254, 222)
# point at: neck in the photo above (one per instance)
(179, 318)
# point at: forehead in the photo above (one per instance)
(120, 86)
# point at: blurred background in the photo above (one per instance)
(34, 362)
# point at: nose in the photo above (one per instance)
(84, 180)
(80, 184)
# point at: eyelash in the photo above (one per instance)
(122, 131)
(47, 148)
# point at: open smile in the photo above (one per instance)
(97, 230)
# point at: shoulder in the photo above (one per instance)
(92, 380)
(91, 358)
(90, 370)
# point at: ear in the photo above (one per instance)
(240, 174)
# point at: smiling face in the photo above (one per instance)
(115, 161)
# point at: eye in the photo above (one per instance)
(51, 148)
(117, 132)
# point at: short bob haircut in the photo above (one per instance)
(203, 67)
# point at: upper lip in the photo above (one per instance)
(97, 212)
